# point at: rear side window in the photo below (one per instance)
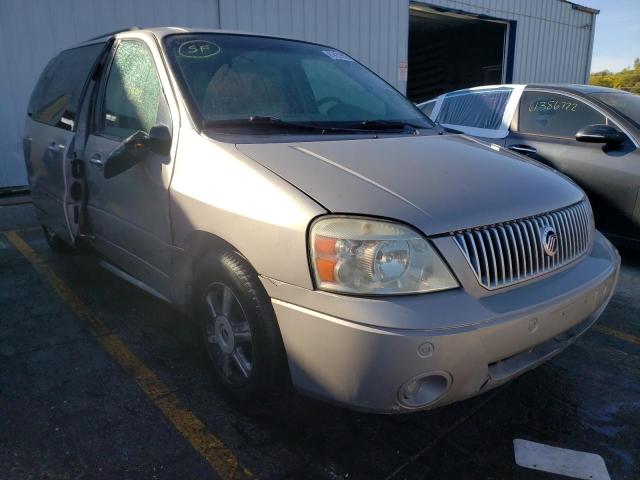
(56, 97)
(478, 109)
(555, 115)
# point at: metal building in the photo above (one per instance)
(423, 48)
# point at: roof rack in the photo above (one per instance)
(110, 34)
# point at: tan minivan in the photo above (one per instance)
(321, 230)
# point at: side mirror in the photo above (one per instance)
(159, 140)
(136, 148)
(600, 134)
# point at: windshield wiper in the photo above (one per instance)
(263, 121)
(278, 123)
(390, 125)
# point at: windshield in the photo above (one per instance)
(240, 82)
(627, 104)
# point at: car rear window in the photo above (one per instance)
(56, 97)
(478, 109)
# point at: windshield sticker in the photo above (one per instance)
(336, 55)
(544, 105)
(199, 49)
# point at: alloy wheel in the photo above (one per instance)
(227, 334)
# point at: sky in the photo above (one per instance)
(617, 40)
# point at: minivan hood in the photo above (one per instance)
(437, 183)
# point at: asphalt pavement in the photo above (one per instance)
(100, 380)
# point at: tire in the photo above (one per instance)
(239, 331)
(54, 241)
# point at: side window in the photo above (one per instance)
(56, 97)
(133, 97)
(478, 109)
(555, 115)
(427, 107)
(326, 81)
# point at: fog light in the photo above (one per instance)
(424, 389)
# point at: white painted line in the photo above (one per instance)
(583, 465)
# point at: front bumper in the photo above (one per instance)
(366, 352)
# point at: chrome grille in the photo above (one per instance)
(512, 252)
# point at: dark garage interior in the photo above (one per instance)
(449, 51)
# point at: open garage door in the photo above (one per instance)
(449, 51)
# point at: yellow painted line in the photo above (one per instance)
(24, 229)
(222, 460)
(612, 332)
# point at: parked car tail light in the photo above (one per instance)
(374, 257)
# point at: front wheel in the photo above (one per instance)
(239, 330)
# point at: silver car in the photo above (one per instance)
(322, 232)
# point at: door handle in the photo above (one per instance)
(524, 149)
(96, 161)
(54, 147)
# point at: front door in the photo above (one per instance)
(546, 127)
(128, 214)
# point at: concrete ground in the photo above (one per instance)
(100, 380)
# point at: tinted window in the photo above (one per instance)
(627, 104)
(555, 115)
(479, 109)
(133, 98)
(230, 78)
(56, 98)
(427, 108)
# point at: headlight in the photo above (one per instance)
(367, 256)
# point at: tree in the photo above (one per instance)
(627, 79)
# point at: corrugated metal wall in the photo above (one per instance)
(33, 31)
(553, 41)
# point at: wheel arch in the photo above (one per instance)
(197, 244)
(200, 245)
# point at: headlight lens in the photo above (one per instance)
(374, 257)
